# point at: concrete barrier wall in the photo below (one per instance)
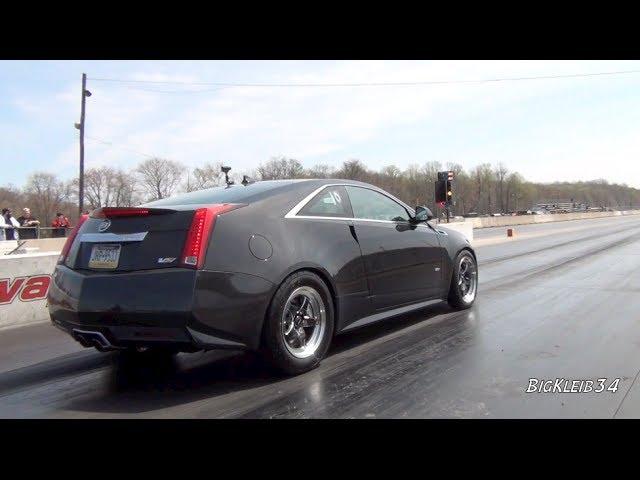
(36, 245)
(47, 244)
(485, 222)
(466, 228)
(24, 283)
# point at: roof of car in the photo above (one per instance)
(250, 193)
(319, 181)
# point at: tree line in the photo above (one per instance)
(484, 189)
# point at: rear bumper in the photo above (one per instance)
(187, 309)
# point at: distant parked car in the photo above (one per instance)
(472, 215)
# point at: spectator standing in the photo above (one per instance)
(61, 223)
(28, 224)
(11, 224)
(3, 226)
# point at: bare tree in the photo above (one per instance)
(416, 186)
(431, 169)
(159, 177)
(97, 188)
(482, 176)
(46, 195)
(461, 187)
(108, 187)
(279, 168)
(124, 190)
(501, 173)
(429, 172)
(12, 197)
(513, 192)
(207, 176)
(480, 189)
(353, 170)
(321, 171)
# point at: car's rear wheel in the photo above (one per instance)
(299, 324)
(464, 281)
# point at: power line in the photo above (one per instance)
(175, 91)
(111, 144)
(365, 84)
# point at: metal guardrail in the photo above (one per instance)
(30, 233)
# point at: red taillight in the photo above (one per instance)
(71, 238)
(195, 247)
(111, 212)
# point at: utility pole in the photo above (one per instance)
(80, 126)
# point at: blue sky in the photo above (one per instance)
(548, 130)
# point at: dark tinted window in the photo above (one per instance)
(330, 202)
(236, 193)
(368, 204)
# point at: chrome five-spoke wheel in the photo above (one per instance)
(467, 278)
(303, 322)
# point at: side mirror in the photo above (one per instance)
(423, 214)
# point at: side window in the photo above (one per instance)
(330, 202)
(368, 204)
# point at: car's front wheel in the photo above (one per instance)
(299, 324)
(464, 281)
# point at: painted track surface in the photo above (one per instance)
(562, 300)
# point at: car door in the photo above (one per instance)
(403, 262)
(331, 242)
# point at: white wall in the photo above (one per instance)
(24, 282)
(465, 228)
(484, 222)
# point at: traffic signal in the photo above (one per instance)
(445, 175)
(444, 190)
(441, 191)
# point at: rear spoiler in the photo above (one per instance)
(120, 212)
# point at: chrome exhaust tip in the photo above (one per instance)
(93, 339)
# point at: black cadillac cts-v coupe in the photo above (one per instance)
(275, 266)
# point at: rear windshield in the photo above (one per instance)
(233, 194)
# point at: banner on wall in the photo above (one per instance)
(24, 284)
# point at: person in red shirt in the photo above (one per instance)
(60, 223)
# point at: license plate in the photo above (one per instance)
(105, 256)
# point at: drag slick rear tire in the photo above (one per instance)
(299, 324)
(464, 281)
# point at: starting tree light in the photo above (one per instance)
(449, 175)
(441, 191)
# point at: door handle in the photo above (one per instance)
(352, 229)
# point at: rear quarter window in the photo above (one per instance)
(330, 202)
